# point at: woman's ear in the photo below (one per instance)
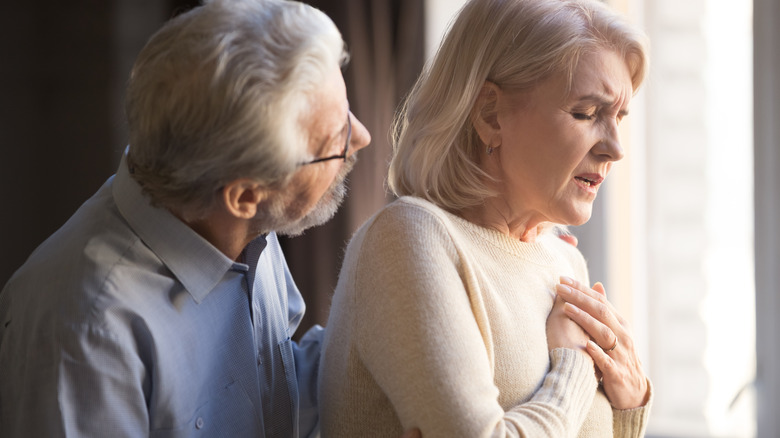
(240, 197)
(484, 113)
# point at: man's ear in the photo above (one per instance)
(484, 114)
(240, 197)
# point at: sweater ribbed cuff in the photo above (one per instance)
(570, 384)
(632, 423)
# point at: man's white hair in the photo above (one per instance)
(219, 93)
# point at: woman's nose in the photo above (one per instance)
(609, 146)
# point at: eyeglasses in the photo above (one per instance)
(342, 155)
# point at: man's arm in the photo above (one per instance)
(78, 381)
(101, 386)
(307, 362)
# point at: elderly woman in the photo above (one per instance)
(458, 310)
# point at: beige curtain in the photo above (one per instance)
(386, 44)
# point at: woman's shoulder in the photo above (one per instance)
(409, 214)
(407, 222)
(414, 206)
(405, 238)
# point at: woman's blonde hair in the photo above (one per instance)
(515, 44)
(219, 93)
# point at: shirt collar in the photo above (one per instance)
(195, 262)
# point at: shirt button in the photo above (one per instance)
(199, 423)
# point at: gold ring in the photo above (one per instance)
(613, 346)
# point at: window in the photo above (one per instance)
(678, 218)
(672, 233)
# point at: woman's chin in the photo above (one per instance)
(577, 217)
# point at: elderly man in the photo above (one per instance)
(164, 306)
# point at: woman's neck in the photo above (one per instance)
(497, 214)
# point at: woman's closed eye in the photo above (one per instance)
(592, 115)
(583, 115)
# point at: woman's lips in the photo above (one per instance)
(589, 181)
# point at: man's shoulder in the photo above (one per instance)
(75, 269)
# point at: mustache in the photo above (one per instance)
(338, 186)
(348, 165)
(340, 181)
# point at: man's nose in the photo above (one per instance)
(360, 135)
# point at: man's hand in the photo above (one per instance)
(567, 237)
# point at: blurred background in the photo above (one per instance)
(684, 234)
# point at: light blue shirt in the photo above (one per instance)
(126, 323)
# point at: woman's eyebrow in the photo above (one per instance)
(603, 100)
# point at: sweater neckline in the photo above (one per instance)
(538, 252)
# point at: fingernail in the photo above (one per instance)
(567, 280)
(570, 308)
(563, 289)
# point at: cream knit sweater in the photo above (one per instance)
(440, 324)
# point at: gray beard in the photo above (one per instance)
(278, 216)
(322, 212)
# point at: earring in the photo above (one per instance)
(489, 150)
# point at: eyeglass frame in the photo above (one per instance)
(342, 155)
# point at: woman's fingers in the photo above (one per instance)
(599, 318)
(598, 287)
(624, 381)
(612, 347)
(604, 336)
(562, 331)
(600, 358)
(594, 313)
(600, 295)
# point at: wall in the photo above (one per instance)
(767, 200)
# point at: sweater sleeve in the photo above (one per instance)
(632, 423)
(419, 339)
